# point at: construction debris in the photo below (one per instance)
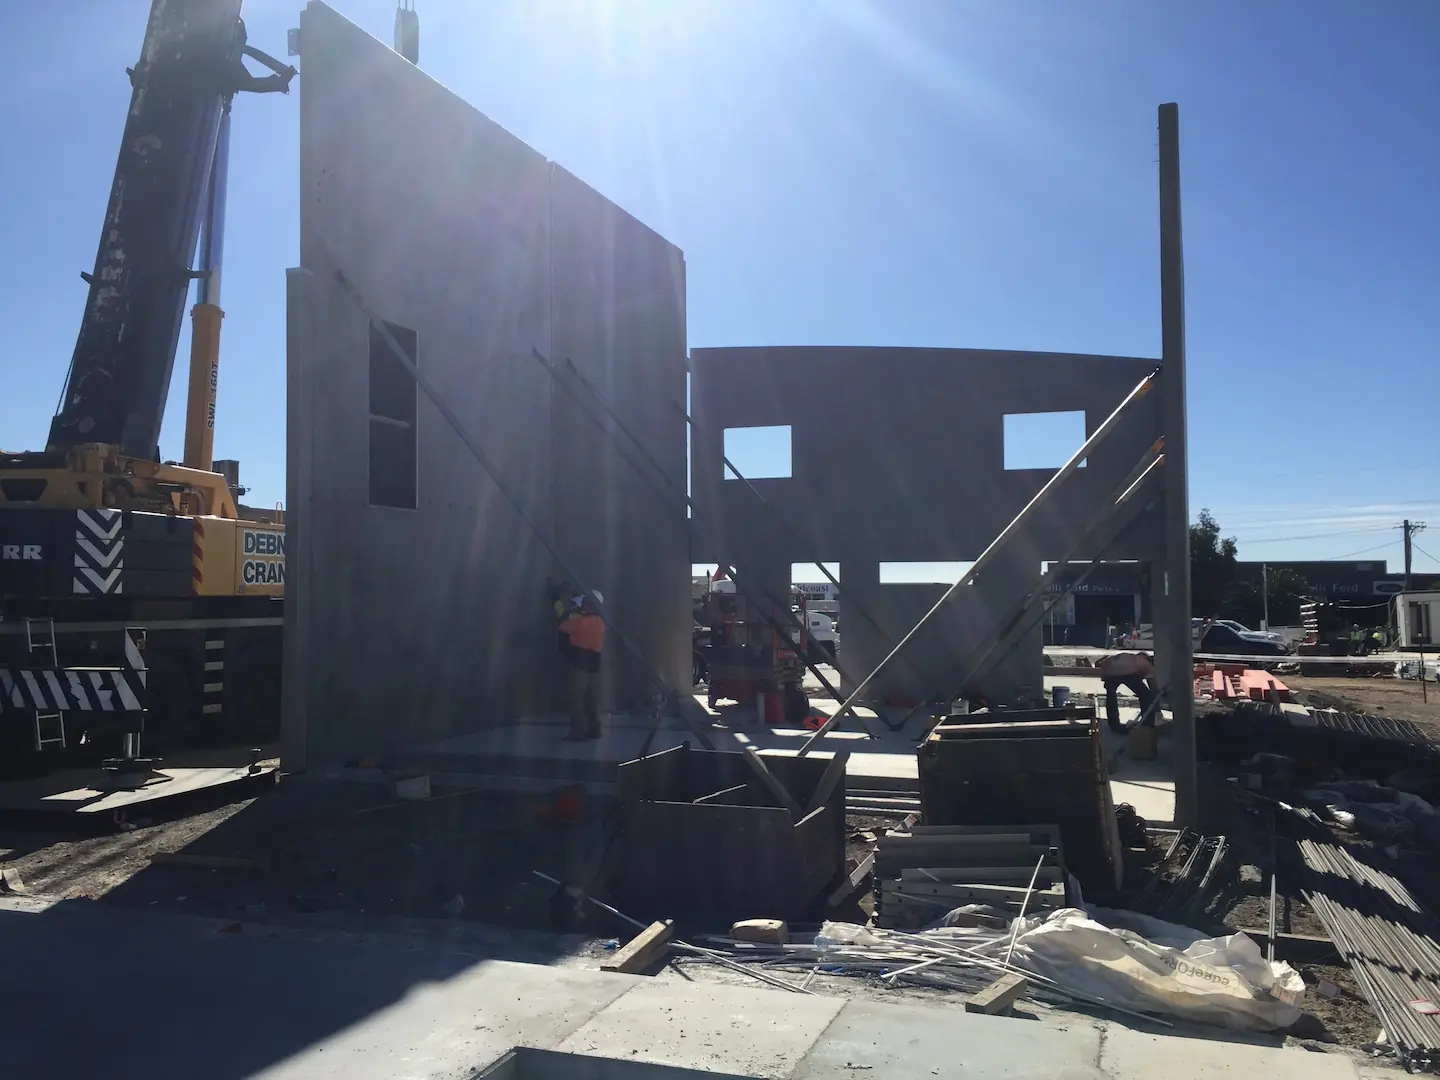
(850, 884)
(986, 872)
(643, 951)
(710, 954)
(764, 931)
(1134, 965)
(998, 996)
(1181, 884)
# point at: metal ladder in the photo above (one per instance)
(43, 646)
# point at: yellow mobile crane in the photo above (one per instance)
(96, 532)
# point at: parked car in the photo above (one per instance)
(1241, 628)
(1221, 640)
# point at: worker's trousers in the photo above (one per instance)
(584, 703)
(1137, 686)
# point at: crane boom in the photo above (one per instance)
(191, 65)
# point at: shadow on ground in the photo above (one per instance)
(281, 948)
(313, 848)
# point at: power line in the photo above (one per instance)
(1318, 536)
(1422, 551)
(1363, 551)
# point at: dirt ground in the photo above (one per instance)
(306, 848)
(1344, 1016)
(311, 847)
(1400, 699)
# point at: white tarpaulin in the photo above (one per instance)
(1128, 961)
(1152, 966)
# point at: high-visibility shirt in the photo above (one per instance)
(585, 631)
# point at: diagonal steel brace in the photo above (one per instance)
(984, 656)
(1040, 498)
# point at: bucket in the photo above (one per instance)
(1059, 696)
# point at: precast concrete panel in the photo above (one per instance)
(898, 455)
(413, 624)
(619, 319)
(930, 667)
(900, 452)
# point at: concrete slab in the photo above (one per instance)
(264, 1002)
(904, 1040)
(535, 748)
(1148, 786)
(1134, 1055)
(727, 1028)
(465, 1022)
(285, 1002)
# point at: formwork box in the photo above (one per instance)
(1027, 773)
(736, 855)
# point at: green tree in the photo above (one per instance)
(1212, 566)
(1288, 590)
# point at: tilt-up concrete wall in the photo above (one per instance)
(898, 455)
(412, 622)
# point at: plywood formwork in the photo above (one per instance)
(407, 624)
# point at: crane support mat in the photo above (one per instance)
(1036, 771)
(90, 792)
(700, 835)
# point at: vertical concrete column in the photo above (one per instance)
(299, 408)
(861, 645)
(1157, 617)
(1173, 622)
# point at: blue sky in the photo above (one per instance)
(928, 172)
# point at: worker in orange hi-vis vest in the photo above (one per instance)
(586, 632)
(1135, 672)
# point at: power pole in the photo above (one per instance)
(1172, 621)
(1265, 596)
(1409, 528)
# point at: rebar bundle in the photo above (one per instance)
(1388, 940)
(1371, 726)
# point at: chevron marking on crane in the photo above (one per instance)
(99, 553)
(105, 524)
